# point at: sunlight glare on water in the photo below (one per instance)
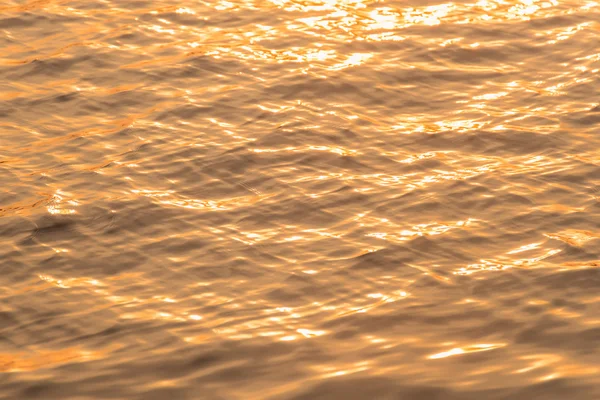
(300, 199)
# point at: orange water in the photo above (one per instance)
(299, 199)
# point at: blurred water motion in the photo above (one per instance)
(299, 199)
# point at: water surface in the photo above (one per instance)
(299, 199)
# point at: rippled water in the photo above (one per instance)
(299, 199)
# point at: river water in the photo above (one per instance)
(299, 199)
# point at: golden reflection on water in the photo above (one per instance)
(387, 246)
(41, 359)
(329, 21)
(468, 349)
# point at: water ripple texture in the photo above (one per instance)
(300, 199)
